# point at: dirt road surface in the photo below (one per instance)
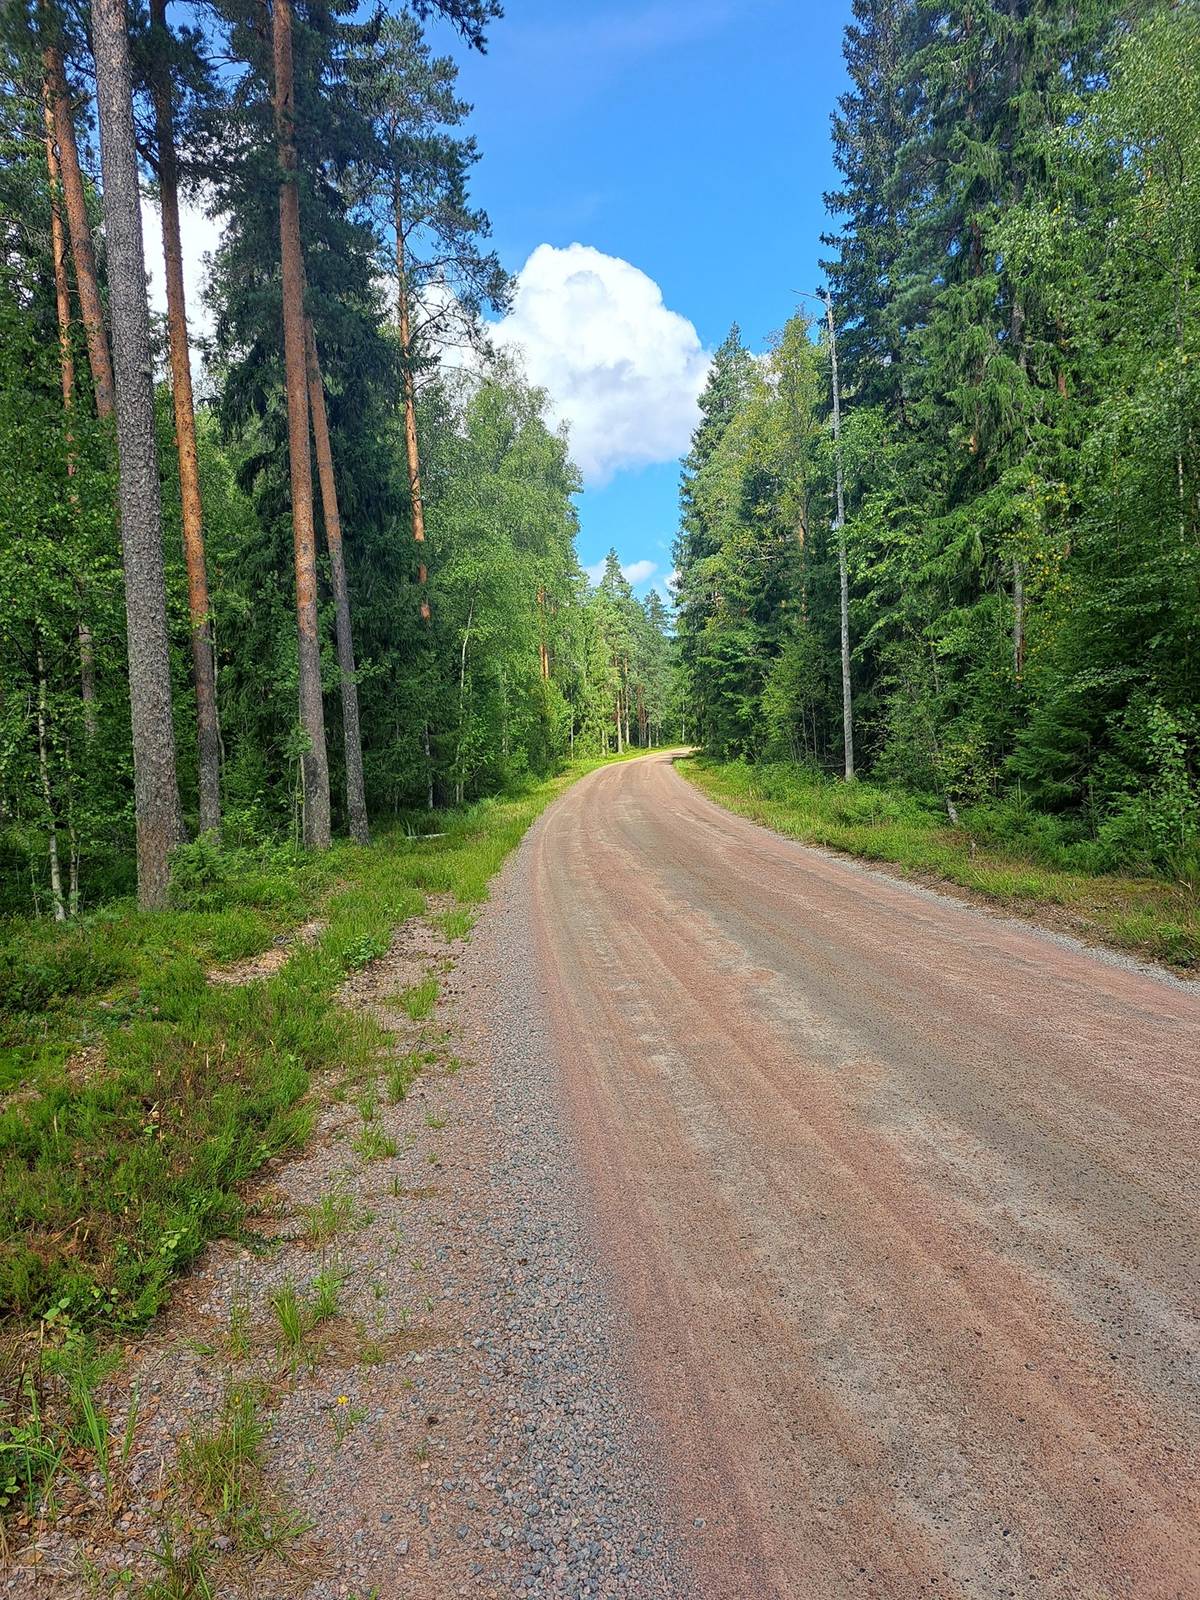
(901, 1203)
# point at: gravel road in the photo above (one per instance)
(789, 1231)
(901, 1203)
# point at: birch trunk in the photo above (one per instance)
(156, 789)
(314, 761)
(192, 517)
(356, 798)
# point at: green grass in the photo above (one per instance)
(420, 999)
(115, 1170)
(456, 924)
(373, 1145)
(404, 1069)
(1011, 858)
(221, 1470)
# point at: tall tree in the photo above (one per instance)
(356, 797)
(444, 278)
(62, 306)
(314, 760)
(191, 508)
(75, 201)
(156, 790)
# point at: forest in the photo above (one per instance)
(986, 590)
(336, 582)
(296, 644)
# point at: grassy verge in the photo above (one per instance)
(1153, 917)
(136, 1097)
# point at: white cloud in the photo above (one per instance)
(638, 571)
(200, 235)
(621, 370)
(634, 572)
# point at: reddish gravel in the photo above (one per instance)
(901, 1201)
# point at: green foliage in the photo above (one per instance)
(1017, 283)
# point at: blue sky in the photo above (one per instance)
(689, 140)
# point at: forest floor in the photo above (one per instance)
(1156, 918)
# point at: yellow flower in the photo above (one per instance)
(343, 1400)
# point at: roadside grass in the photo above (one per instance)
(1033, 875)
(419, 1000)
(118, 1164)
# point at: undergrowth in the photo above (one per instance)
(120, 1160)
(1008, 854)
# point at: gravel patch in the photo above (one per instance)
(462, 1424)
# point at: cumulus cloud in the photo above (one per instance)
(621, 369)
(634, 572)
(638, 571)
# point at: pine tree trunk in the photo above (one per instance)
(356, 797)
(156, 789)
(66, 364)
(203, 675)
(82, 250)
(314, 761)
(410, 415)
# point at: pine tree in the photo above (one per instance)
(313, 759)
(156, 790)
(203, 668)
(443, 277)
(356, 798)
(75, 202)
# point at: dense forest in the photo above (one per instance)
(943, 534)
(1005, 519)
(336, 583)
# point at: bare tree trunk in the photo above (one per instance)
(843, 572)
(66, 363)
(82, 251)
(410, 414)
(56, 891)
(314, 762)
(192, 516)
(58, 244)
(462, 693)
(156, 788)
(356, 796)
(543, 653)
